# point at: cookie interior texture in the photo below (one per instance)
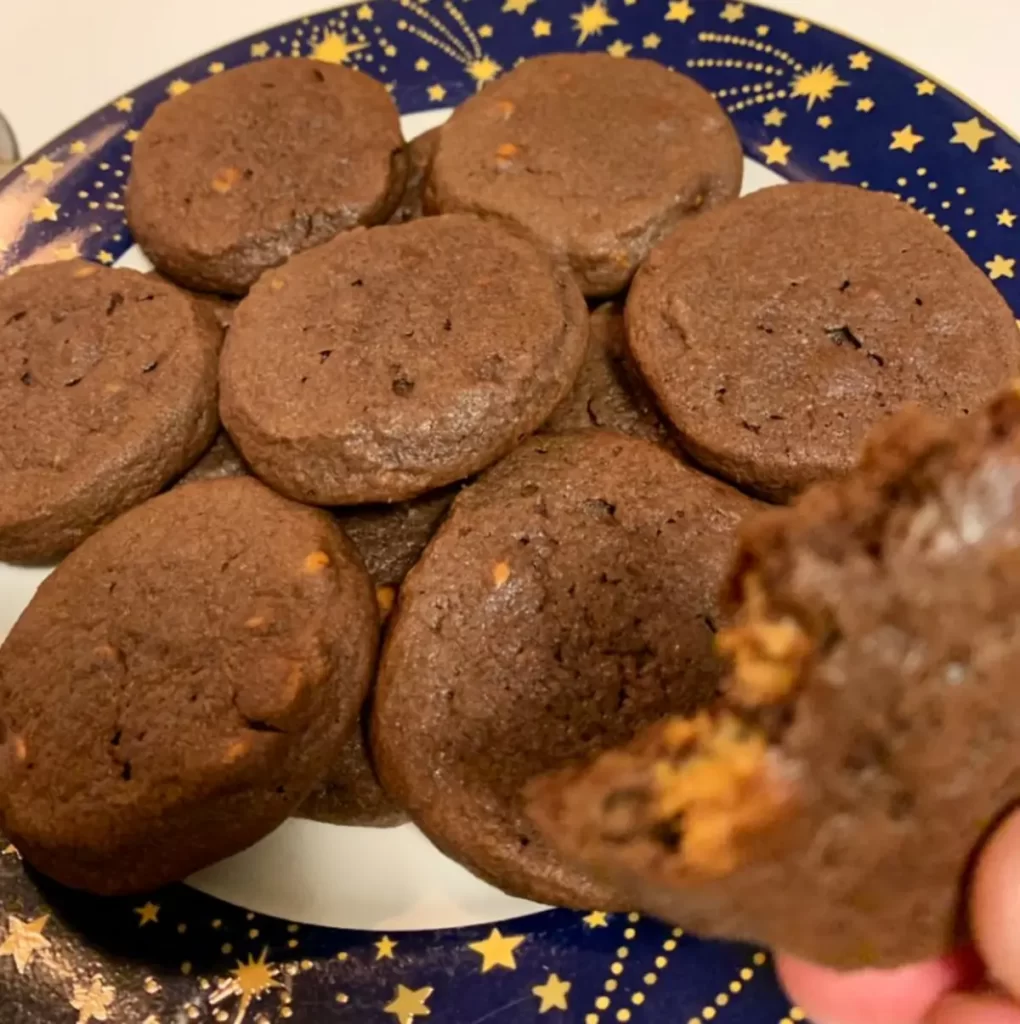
(831, 804)
(394, 361)
(776, 330)
(253, 165)
(108, 386)
(567, 599)
(179, 684)
(596, 158)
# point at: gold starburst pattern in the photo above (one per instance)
(459, 42)
(591, 19)
(817, 84)
(249, 981)
(334, 48)
(483, 70)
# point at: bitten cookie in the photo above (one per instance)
(255, 164)
(108, 391)
(394, 361)
(420, 152)
(776, 330)
(831, 805)
(606, 394)
(596, 158)
(179, 684)
(567, 600)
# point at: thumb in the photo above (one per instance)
(995, 905)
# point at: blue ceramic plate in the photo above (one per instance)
(294, 928)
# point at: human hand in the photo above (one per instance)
(970, 987)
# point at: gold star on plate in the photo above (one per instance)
(824, 121)
(125, 104)
(216, 67)
(149, 914)
(497, 950)
(971, 134)
(364, 13)
(44, 170)
(410, 1003)
(384, 948)
(836, 159)
(436, 93)
(818, 84)
(177, 87)
(591, 19)
(860, 61)
(421, 64)
(24, 940)
(618, 48)
(78, 147)
(865, 104)
(596, 919)
(334, 48)
(925, 88)
(516, 6)
(999, 163)
(106, 258)
(732, 13)
(45, 209)
(774, 118)
(906, 139)
(131, 135)
(553, 994)
(762, 30)
(1006, 218)
(650, 41)
(485, 31)
(776, 152)
(483, 70)
(680, 10)
(801, 26)
(541, 28)
(999, 266)
(92, 1003)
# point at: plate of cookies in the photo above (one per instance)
(437, 566)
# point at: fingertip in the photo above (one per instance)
(995, 905)
(901, 996)
(973, 1009)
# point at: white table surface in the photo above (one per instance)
(60, 59)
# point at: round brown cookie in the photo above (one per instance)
(221, 460)
(258, 163)
(775, 331)
(420, 151)
(108, 391)
(393, 361)
(605, 394)
(876, 660)
(179, 684)
(597, 158)
(352, 794)
(567, 600)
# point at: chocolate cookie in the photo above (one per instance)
(179, 684)
(775, 331)
(108, 391)
(567, 600)
(605, 394)
(420, 152)
(596, 158)
(221, 460)
(253, 165)
(830, 807)
(393, 361)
